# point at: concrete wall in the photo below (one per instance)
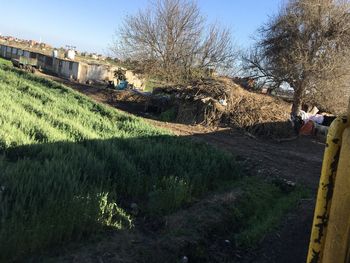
(2, 51)
(46, 63)
(63, 68)
(12, 52)
(26, 53)
(6, 52)
(95, 72)
(66, 68)
(135, 80)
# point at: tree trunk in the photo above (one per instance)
(297, 101)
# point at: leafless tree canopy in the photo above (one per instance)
(171, 39)
(307, 46)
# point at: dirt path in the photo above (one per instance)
(298, 160)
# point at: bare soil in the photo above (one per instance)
(298, 160)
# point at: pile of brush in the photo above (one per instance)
(224, 102)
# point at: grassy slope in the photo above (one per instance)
(68, 165)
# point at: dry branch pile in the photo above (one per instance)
(221, 101)
(129, 96)
(258, 114)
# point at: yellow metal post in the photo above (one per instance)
(336, 248)
(337, 241)
(334, 154)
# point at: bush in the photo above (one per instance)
(168, 115)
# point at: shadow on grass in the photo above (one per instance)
(54, 192)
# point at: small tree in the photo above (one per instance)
(307, 46)
(171, 39)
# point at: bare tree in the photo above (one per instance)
(307, 46)
(171, 38)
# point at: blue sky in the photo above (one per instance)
(90, 24)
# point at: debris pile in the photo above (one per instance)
(217, 102)
(258, 114)
(223, 102)
(203, 102)
(247, 83)
(129, 95)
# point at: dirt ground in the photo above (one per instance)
(298, 160)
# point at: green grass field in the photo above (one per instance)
(70, 167)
